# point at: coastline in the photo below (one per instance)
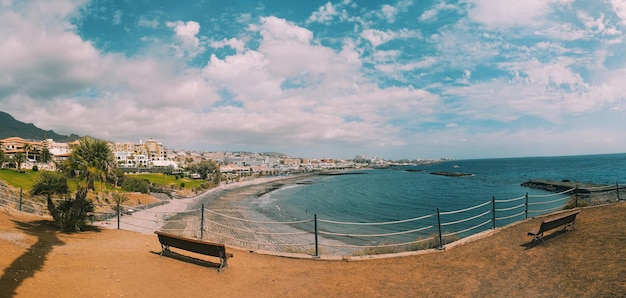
(146, 221)
(232, 204)
(182, 216)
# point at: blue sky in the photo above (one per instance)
(394, 79)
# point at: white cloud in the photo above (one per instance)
(394, 68)
(565, 31)
(290, 53)
(378, 37)
(186, 33)
(432, 13)
(43, 60)
(247, 75)
(619, 7)
(513, 143)
(145, 22)
(389, 12)
(461, 48)
(117, 17)
(511, 13)
(551, 92)
(350, 53)
(287, 88)
(598, 26)
(274, 28)
(557, 74)
(236, 44)
(324, 14)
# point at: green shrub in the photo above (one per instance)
(71, 214)
(136, 185)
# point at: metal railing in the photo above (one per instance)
(245, 229)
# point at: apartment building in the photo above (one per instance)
(31, 149)
(145, 154)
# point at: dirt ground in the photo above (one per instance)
(38, 261)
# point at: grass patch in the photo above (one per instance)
(168, 180)
(23, 179)
(26, 178)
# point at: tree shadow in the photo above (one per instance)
(32, 260)
(532, 244)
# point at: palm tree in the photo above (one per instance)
(69, 214)
(92, 160)
(27, 147)
(19, 158)
(49, 184)
(119, 199)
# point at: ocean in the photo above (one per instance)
(402, 192)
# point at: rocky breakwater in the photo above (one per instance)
(452, 174)
(561, 186)
(593, 193)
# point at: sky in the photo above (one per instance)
(392, 79)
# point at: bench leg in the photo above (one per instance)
(223, 262)
(164, 249)
(538, 237)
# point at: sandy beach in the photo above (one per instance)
(143, 221)
(182, 216)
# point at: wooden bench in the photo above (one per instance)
(566, 220)
(194, 245)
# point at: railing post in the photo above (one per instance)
(118, 215)
(493, 212)
(317, 252)
(576, 195)
(202, 223)
(526, 205)
(21, 199)
(617, 190)
(439, 225)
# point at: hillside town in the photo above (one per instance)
(151, 155)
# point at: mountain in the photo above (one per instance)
(9, 127)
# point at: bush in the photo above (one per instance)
(71, 214)
(35, 168)
(136, 185)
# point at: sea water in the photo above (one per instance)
(399, 193)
